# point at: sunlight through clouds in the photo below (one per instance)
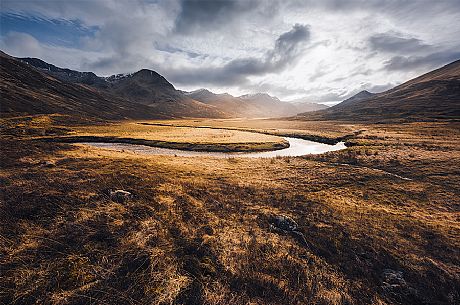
(231, 46)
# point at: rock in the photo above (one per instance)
(284, 223)
(392, 277)
(287, 225)
(120, 196)
(395, 286)
(48, 163)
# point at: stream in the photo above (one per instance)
(297, 147)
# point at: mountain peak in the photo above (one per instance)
(200, 91)
(260, 96)
(364, 94)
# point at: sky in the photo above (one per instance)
(321, 51)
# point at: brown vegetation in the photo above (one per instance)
(381, 220)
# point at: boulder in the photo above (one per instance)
(48, 163)
(120, 196)
(284, 223)
(395, 286)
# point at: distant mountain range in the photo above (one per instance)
(149, 88)
(432, 96)
(32, 86)
(253, 105)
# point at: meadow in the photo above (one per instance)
(380, 218)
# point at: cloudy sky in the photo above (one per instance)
(322, 50)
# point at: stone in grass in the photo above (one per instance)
(284, 223)
(287, 225)
(49, 163)
(120, 196)
(395, 286)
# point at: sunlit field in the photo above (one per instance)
(380, 219)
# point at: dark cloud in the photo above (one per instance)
(432, 60)
(396, 43)
(197, 16)
(286, 50)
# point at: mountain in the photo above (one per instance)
(232, 105)
(253, 105)
(304, 105)
(149, 88)
(27, 90)
(362, 95)
(276, 108)
(143, 87)
(269, 106)
(72, 76)
(432, 96)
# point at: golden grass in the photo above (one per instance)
(174, 134)
(197, 230)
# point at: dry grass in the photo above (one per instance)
(197, 230)
(324, 132)
(175, 134)
(185, 138)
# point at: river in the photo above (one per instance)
(297, 147)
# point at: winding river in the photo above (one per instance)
(297, 147)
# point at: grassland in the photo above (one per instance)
(381, 220)
(185, 138)
(324, 132)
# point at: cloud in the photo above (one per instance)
(242, 46)
(430, 61)
(199, 16)
(25, 45)
(21, 44)
(396, 43)
(287, 48)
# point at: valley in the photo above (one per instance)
(382, 211)
(125, 190)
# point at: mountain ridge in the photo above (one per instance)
(432, 96)
(26, 90)
(150, 88)
(253, 105)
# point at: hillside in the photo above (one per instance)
(434, 95)
(25, 90)
(143, 87)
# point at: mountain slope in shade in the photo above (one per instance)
(26, 90)
(68, 75)
(143, 87)
(434, 95)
